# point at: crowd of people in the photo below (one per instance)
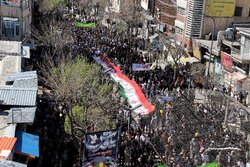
(142, 145)
(56, 147)
(123, 52)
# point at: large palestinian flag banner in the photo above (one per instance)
(130, 89)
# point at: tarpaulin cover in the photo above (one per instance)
(27, 143)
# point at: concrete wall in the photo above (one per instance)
(10, 11)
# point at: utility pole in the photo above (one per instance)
(211, 47)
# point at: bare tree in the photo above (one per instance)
(50, 7)
(55, 39)
(131, 14)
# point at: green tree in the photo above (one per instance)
(89, 106)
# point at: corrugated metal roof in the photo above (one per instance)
(18, 96)
(22, 75)
(5, 163)
(6, 145)
(21, 115)
(26, 83)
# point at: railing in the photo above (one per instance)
(235, 51)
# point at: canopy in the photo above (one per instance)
(27, 144)
(189, 60)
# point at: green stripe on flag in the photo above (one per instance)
(122, 90)
(213, 164)
(87, 25)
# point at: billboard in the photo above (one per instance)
(220, 8)
(226, 61)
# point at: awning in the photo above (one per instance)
(189, 60)
(6, 145)
(27, 144)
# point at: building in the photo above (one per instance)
(180, 21)
(18, 92)
(195, 18)
(230, 59)
(15, 19)
(166, 11)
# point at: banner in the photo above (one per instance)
(226, 61)
(101, 145)
(165, 98)
(131, 90)
(214, 164)
(86, 25)
(140, 67)
(220, 8)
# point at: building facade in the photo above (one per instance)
(195, 19)
(15, 19)
(166, 11)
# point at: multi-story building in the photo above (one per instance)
(15, 19)
(180, 20)
(166, 13)
(195, 18)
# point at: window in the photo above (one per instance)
(179, 30)
(238, 11)
(181, 11)
(10, 26)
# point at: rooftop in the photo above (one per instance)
(18, 96)
(207, 44)
(244, 31)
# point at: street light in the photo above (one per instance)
(211, 47)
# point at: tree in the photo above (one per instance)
(55, 40)
(77, 86)
(131, 14)
(49, 7)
